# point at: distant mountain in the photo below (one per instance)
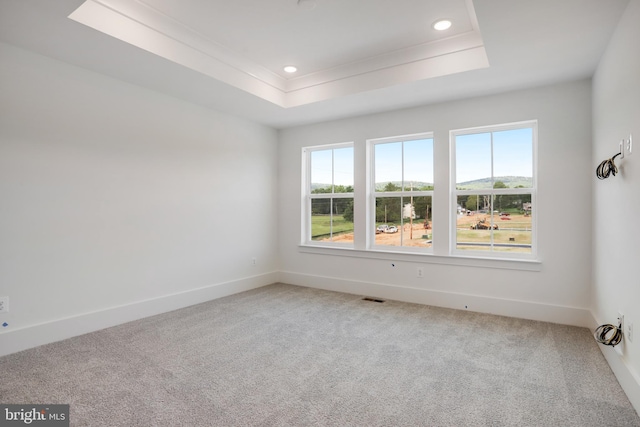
(416, 185)
(380, 186)
(509, 181)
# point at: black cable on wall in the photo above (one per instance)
(608, 334)
(607, 167)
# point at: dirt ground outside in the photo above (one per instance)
(404, 237)
(512, 221)
(514, 229)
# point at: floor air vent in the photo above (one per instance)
(372, 299)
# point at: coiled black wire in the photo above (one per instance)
(607, 167)
(608, 334)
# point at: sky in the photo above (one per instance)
(418, 161)
(512, 156)
(321, 166)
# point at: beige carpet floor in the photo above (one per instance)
(291, 356)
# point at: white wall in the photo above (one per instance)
(616, 200)
(559, 292)
(113, 197)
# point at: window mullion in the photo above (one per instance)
(492, 196)
(402, 194)
(333, 189)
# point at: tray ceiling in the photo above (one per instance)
(339, 47)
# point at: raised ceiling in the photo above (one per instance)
(354, 56)
(339, 47)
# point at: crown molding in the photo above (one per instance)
(139, 24)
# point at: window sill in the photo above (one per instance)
(427, 258)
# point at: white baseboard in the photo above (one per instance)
(625, 374)
(59, 329)
(503, 307)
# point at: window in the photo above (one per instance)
(401, 206)
(328, 212)
(494, 190)
(491, 205)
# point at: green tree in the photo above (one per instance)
(321, 190)
(500, 199)
(422, 206)
(320, 207)
(472, 203)
(343, 189)
(348, 212)
(388, 209)
(339, 205)
(392, 187)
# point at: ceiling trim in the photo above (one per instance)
(408, 55)
(137, 23)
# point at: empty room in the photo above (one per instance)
(319, 212)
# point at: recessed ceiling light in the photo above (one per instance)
(441, 25)
(290, 69)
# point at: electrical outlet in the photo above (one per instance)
(629, 331)
(630, 144)
(4, 304)
(622, 145)
(621, 321)
(420, 272)
(620, 347)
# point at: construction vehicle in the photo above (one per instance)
(483, 224)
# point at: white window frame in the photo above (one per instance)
(454, 193)
(307, 196)
(373, 194)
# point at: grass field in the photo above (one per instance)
(321, 226)
(514, 231)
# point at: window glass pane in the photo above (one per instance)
(418, 164)
(342, 221)
(513, 217)
(320, 219)
(473, 161)
(332, 220)
(399, 222)
(507, 228)
(475, 223)
(321, 171)
(343, 170)
(513, 157)
(420, 227)
(388, 220)
(388, 166)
